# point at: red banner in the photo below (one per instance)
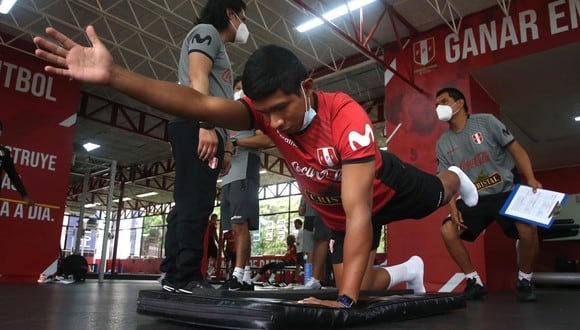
(39, 116)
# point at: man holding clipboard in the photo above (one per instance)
(488, 153)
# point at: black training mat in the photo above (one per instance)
(274, 310)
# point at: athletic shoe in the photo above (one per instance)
(474, 291)
(195, 285)
(247, 286)
(524, 291)
(312, 284)
(232, 285)
(168, 286)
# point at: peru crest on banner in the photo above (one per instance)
(39, 117)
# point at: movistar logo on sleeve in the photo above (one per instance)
(362, 140)
(200, 40)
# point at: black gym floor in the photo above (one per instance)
(113, 304)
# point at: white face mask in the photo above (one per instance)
(239, 94)
(242, 32)
(309, 114)
(445, 112)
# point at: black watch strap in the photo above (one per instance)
(205, 125)
(346, 301)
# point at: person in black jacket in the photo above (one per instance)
(7, 165)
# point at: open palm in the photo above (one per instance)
(87, 64)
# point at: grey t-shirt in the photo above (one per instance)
(480, 151)
(245, 163)
(205, 38)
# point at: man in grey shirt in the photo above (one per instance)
(487, 152)
(239, 198)
(201, 151)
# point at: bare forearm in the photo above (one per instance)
(522, 160)
(357, 245)
(255, 142)
(181, 101)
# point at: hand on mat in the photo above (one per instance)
(316, 301)
(88, 64)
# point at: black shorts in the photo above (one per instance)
(337, 244)
(417, 194)
(321, 231)
(479, 217)
(239, 204)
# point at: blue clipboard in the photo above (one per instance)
(555, 210)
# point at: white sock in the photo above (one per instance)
(239, 273)
(256, 278)
(410, 271)
(272, 277)
(474, 275)
(522, 275)
(467, 189)
(247, 274)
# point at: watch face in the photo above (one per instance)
(346, 301)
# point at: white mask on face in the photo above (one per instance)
(242, 32)
(309, 114)
(445, 112)
(239, 94)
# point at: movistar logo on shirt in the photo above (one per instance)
(200, 40)
(362, 140)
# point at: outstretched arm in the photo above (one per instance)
(94, 65)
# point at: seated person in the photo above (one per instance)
(289, 259)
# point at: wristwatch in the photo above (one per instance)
(346, 301)
(234, 141)
(205, 125)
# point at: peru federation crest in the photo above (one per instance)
(424, 51)
(477, 138)
(327, 156)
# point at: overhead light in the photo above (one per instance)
(88, 206)
(263, 171)
(124, 199)
(89, 146)
(577, 118)
(151, 193)
(334, 13)
(6, 5)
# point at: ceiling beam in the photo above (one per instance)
(360, 46)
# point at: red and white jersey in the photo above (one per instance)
(341, 133)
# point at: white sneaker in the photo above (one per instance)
(312, 284)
